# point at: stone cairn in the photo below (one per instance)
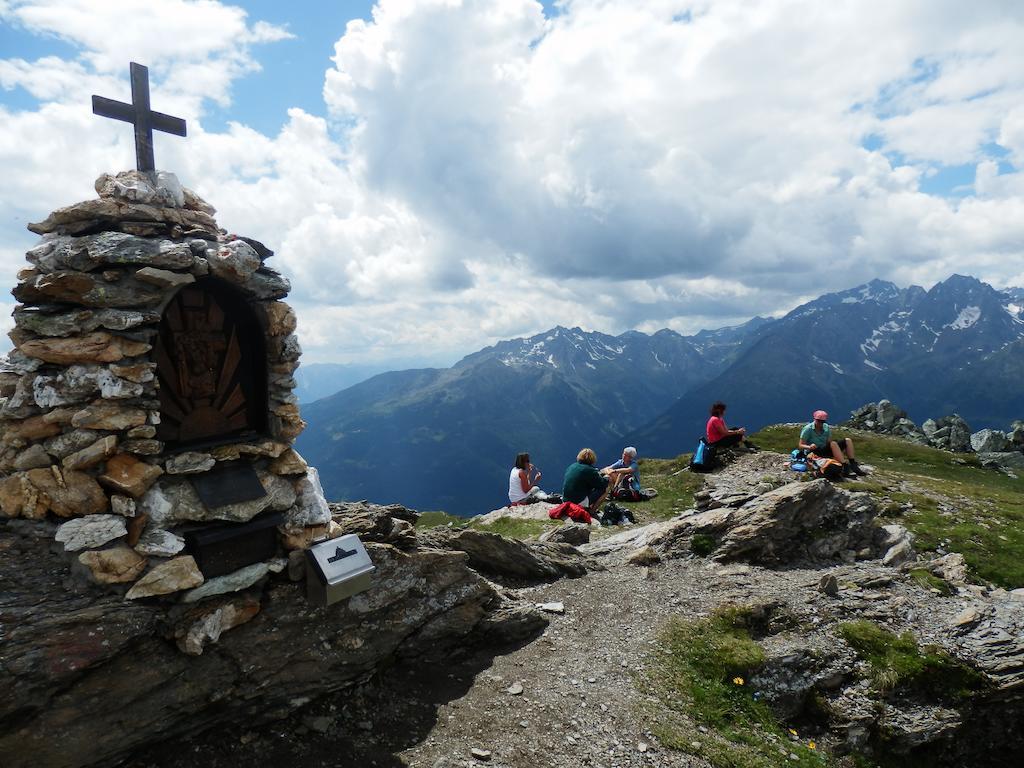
(91, 435)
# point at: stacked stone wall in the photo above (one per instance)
(80, 402)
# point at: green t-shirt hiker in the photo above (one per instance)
(817, 437)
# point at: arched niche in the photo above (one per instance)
(211, 363)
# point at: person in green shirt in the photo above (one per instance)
(583, 483)
(817, 437)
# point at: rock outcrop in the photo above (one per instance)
(88, 677)
(1002, 450)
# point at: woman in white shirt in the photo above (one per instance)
(522, 481)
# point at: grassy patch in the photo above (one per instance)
(930, 581)
(510, 527)
(699, 674)
(958, 506)
(435, 519)
(897, 662)
(675, 488)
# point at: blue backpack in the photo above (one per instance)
(799, 461)
(703, 459)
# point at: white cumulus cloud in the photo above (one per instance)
(484, 171)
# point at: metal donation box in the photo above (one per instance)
(336, 569)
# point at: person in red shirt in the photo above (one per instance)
(721, 436)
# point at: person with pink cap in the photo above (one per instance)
(817, 437)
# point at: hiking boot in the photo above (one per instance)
(751, 447)
(856, 468)
(848, 471)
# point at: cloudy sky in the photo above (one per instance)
(436, 175)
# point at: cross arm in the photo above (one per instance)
(118, 110)
(168, 124)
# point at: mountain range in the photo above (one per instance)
(446, 438)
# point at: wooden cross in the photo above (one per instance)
(141, 116)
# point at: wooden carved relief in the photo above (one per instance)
(207, 358)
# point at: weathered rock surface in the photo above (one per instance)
(570, 533)
(494, 554)
(72, 712)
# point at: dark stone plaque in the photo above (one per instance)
(228, 483)
(220, 549)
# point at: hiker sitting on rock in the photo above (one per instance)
(522, 482)
(817, 437)
(584, 484)
(721, 436)
(624, 474)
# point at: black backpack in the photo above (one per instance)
(703, 459)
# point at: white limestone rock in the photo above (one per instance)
(157, 542)
(90, 532)
(310, 505)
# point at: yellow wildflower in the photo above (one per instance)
(738, 680)
(811, 745)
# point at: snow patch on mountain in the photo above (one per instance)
(873, 341)
(835, 366)
(968, 316)
(872, 364)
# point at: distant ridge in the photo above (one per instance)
(446, 438)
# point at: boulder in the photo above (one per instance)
(887, 414)
(172, 576)
(990, 441)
